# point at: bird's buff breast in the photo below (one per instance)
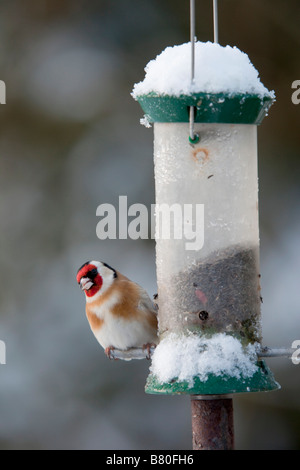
(98, 311)
(123, 334)
(116, 321)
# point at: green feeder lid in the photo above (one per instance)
(240, 108)
(261, 381)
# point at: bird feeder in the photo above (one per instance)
(208, 272)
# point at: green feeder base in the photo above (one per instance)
(209, 107)
(261, 381)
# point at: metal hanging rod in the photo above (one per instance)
(192, 38)
(215, 15)
(193, 137)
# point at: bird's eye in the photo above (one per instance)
(92, 273)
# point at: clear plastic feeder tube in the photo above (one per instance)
(207, 233)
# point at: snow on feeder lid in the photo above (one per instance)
(226, 87)
(207, 234)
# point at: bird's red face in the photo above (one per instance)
(89, 279)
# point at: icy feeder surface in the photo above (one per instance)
(214, 286)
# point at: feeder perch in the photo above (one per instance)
(208, 286)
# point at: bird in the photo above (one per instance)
(120, 312)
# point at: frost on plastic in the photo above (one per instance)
(216, 288)
(144, 121)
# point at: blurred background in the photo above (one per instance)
(70, 140)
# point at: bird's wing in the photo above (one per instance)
(145, 303)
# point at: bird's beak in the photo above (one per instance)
(85, 283)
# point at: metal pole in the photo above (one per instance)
(275, 352)
(215, 15)
(192, 39)
(212, 423)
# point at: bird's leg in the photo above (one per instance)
(148, 346)
(155, 299)
(108, 352)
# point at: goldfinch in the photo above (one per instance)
(120, 312)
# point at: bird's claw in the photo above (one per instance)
(108, 352)
(148, 347)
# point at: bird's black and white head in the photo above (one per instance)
(94, 278)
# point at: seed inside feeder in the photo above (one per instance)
(220, 293)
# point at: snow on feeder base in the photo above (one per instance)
(207, 233)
